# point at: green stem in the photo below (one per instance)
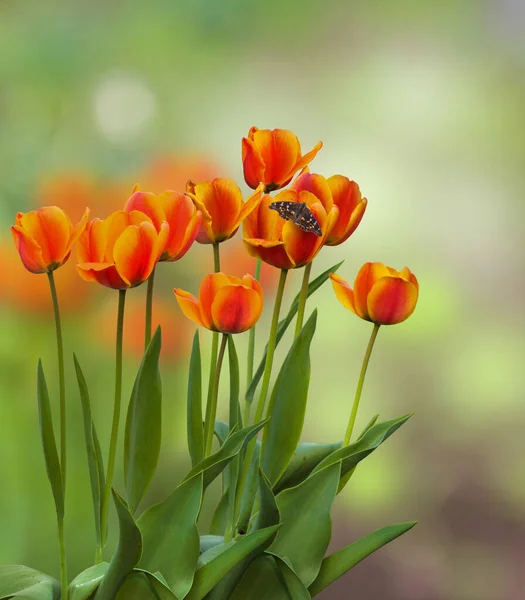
(265, 384)
(149, 309)
(62, 554)
(61, 379)
(251, 350)
(360, 383)
(233, 471)
(302, 300)
(215, 395)
(116, 416)
(216, 258)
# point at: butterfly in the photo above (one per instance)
(298, 213)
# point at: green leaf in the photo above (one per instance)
(268, 514)
(85, 583)
(126, 555)
(160, 586)
(346, 477)
(213, 465)
(337, 564)
(262, 580)
(170, 536)
(210, 541)
(222, 431)
(354, 453)
(288, 405)
(220, 516)
(249, 491)
(232, 474)
(194, 404)
(143, 425)
(100, 469)
(137, 587)
(294, 585)
(95, 478)
(23, 583)
(284, 324)
(306, 524)
(306, 457)
(48, 442)
(218, 561)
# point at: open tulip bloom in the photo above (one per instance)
(271, 528)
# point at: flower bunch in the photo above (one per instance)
(271, 528)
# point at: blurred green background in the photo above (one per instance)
(422, 104)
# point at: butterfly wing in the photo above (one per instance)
(287, 210)
(299, 213)
(308, 222)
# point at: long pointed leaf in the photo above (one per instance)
(194, 404)
(337, 564)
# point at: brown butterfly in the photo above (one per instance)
(299, 214)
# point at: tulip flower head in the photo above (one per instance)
(121, 251)
(347, 197)
(273, 157)
(222, 206)
(44, 237)
(381, 294)
(178, 210)
(226, 303)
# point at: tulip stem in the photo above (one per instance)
(251, 349)
(62, 554)
(360, 383)
(302, 299)
(209, 423)
(149, 309)
(215, 395)
(116, 416)
(265, 384)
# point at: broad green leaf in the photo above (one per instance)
(170, 536)
(284, 324)
(210, 541)
(89, 436)
(337, 564)
(159, 584)
(288, 405)
(136, 587)
(354, 453)
(306, 524)
(306, 457)
(268, 514)
(48, 442)
(218, 561)
(296, 588)
(194, 404)
(249, 492)
(23, 583)
(262, 580)
(346, 477)
(213, 465)
(85, 583)
(126, 555)
(220, 516)
(143, 425)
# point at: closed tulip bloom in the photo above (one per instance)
(381, 294)
(347, 197)
(178, 210)
(222, 207)
(44, 237)
(226, 303)
(121, 251)
(282, 243)
(273, 157)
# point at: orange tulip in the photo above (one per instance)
(177, 210)
(226, 303)
(121, 251)
(222, 206)
(44, 237)
(273, 157)
(347, 196)
(282, 243)
(381, 294)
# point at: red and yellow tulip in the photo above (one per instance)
(222, 206)
(347, 197)
(44, 237)
(178, 210)
(121, 251)
(226, 303)
(381, 294)
(273, 157)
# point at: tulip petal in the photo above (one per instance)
(391, 300)
(189, 306)
(252, 202)
(116, 223)
(303, 246)
(343, 292)
(368, 274)
(236, 308)
(91, 245)
(308, 157)
(180, 212)
(208, 290)
(272, 252)
(347, 197)
(51, 229)
(253, 163)
(29, 251)
(135, 252)
(146, 203)
(317, 185)
(104, 273)
(280, 151)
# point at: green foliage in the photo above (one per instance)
(24, 583)
(85, 583)
(194, 404)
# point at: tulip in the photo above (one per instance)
(222, 206)
(347, 197)
(273, 157)
(282, 243)
(44, 238)
(226, 303)
(381, 294)
(121, 251)
(177, 210)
